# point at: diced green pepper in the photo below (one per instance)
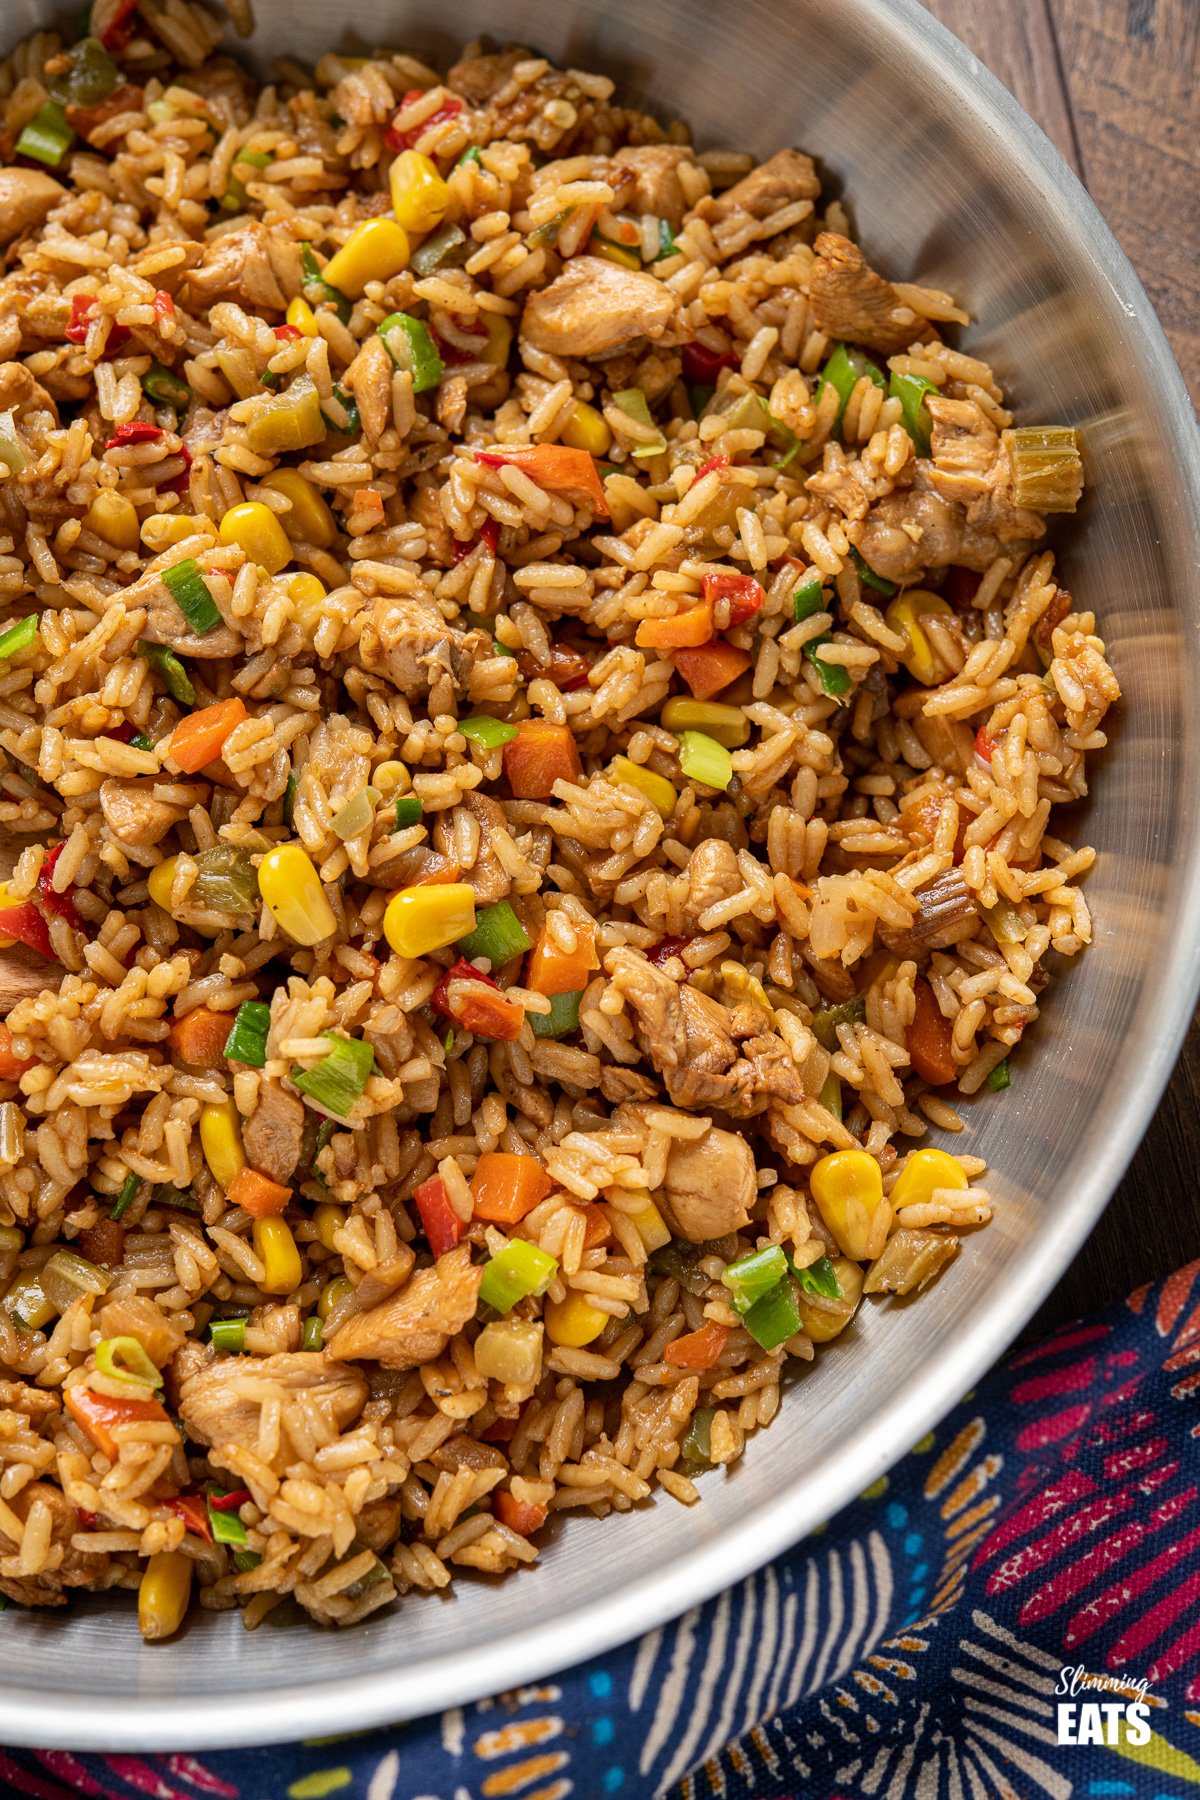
(498, 935)
(409, 344)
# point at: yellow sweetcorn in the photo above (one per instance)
(301, 315)
(391, 778)
(114, 518)
(573, 1322)
(924, 1171)
(160, 881)
(374, 251)
(276, 1247)
(292, 890)
(163, 530)
(848, 1190)
(309, 520)
(657, 788)
(328, 1218)
(499, 338)
(221, 1141)
(586, 429)
(651, 1227)
(332, 1294)
(308, 596)
(903, 615)
(727, 724)
(254, 528)
(421, 919)
(163, 1594)
(420, 198)
(823, 1320)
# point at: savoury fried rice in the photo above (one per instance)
(531, 702)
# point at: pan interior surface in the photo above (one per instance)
(948, 183)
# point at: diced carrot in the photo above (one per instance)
(710, 667)
(194, 1513)
(12, 1067)
(540, 754)
(257, 1194)
(441, 1224)
(519, 1515)
(929, 1039)
(684, 630)
(699, 1349)
(99, 1414)
(985, 744)
(596, 1228)
(492, 1016)
(554, 971)
(505, 1187)
(557, 468)
(200, 737)
(740, 595)
(200, 1036)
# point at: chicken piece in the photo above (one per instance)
(204, 430)
(945, 913)
(488, 877)
(369, 379)
(415, 1325)
(964, 448)
(136, 1316)
(915, 529)
(657, 188)
(378, 1524)
(784, 177)
(694, 1042)
(20, 393)
(620, 1085)
(26, 196)
(711, 1183)
(273, 1135)
(215, 1413)
(594, 306)
(67, 1568)
(713, 876)
(480, 78)
(132, 813)
(413, 645)
(165, 624)
(248, 264)
(850, 301)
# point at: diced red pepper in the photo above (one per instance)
(701, 366)
(289, 333)
(89, 1520)
(519, 1515)
(439, 1221)
(714, 462)
(231, 1501)
(61, 903)
(86, 119)
(740, 593)
(461, 971)
(192, 1510)
(405, 140)
(164, 307)
(134, 431)
(27, 925)
(77, 326)
(985, 744)
(489, 534)
(666, 948)
(121, 26)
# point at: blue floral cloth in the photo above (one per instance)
(1012, 1614)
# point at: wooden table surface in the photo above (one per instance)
(1115, 84)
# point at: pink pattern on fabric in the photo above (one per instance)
(1060, 1381)
(188, 1769)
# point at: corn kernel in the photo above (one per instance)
(824, 1322)
(391, 778)
(727, 724)
(114, 518)
(499, 338)
(586, 430)
(292, 891)
(420, 198)
(308, 597)
(328, 1218)
(421, 919)
(310, 520)
(161, 531)
(160, 880)
(573, 1322)
(902, 615)
(301, 315)
(651, 1227)
(332, 1294)
(924, 1171)
(221, 1141)
(255, 529)
(657, 788)
(848, 1190)
(163, 1594)
(374, 251)
(276, 1248)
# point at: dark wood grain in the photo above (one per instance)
(1116, 85)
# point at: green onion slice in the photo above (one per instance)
(910, 391)
(696, 1442)
(819, 1278)
(247, 1042)
(498, 935)
(46, 137)
(702, 759)
(489, 733)
(808, 599)
(126, 1196)
(834, 679)
(336, 1082)
(163, 386)
(520, 1270)
(830, 1096)
(189, 590)
(869, 578)
(411, 347)
(1000, 1077)
(408, 811)
(18, 637)
(228, 1335)
(175, 676)
(844, 370)
(561, 1020)
(124, 1359)
(752, 1276)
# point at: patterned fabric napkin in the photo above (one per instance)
(1013, 1613)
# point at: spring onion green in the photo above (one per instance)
(561, 1020)
(472, 154)
(228, 1335)
(189, 590)
(910, 391)
(21, 636)
(408, 811)
(489, 733)
(167, 1194)
(498, 935)
(834, 679)
(345, 417)
(830, 1096)
(702, 759)
(408, 342)
(808, 599)
(696, 1444)
(124, 1359)
(819, 1278)
(844, 370)
(163, 386)
(46, 137)
(1000, 1077)
(175, 676)
(520, 1270)
(336, 1082)
(125, 1198)
(317, 290)
(752, 1276)
(666, 242)
(866, 574)
(245, 1560)
(247, 1042)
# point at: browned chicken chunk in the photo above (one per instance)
(487, 876)
(784, 177)
(26, 196)
(247, 264)
(413, 645)
(851, 301)
(711, 1185)
(132, 813)
(593, 306)
(215, 1413)
(656, 188)
(274, 1133)
(136, 1316)
(914, 529)
(65, 1567)
(415, 1325)
(713, 875)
